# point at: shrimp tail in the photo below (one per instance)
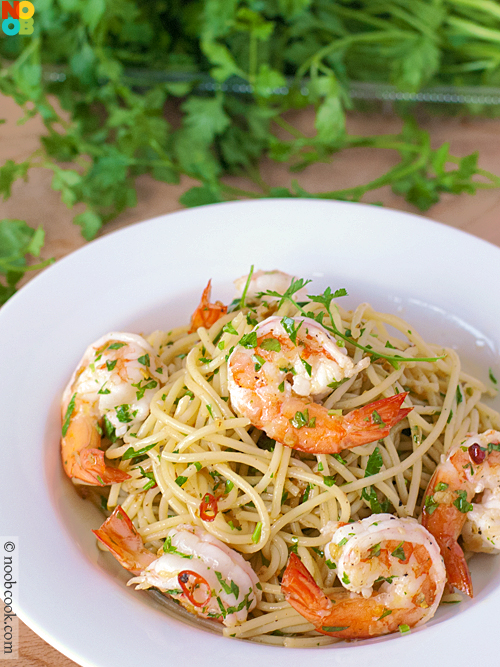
(81, 456)
(92, 463)
(207, 313)
(119, 535)
(375, 420)
(347, 617)
(457, 570)
(302, 592)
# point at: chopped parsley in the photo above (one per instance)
(123, 413)
(430, 504)
(301, 419)
(288, 324)
(109, 429)
(169, 549)
(229, 328)
(141, 388)
(399, 552)
(115, 346)
(233, 588)
(132, 453)
(150, 476)
(258, 361)
(307, 366)
(271, 345)
(144, 360)
(67, 416)
(249, 340)
(111, 364)
(256, 533)
(461, 503)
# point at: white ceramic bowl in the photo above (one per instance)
(150, 276)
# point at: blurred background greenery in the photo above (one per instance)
(204, 88)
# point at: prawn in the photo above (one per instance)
(391, 569)
(263, 281)
(112, 388)
(277, 369)
(203, 574)
(207, 313)
(470, 467)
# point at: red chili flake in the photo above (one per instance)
(193, 584)
(476, 453)
(208, 507)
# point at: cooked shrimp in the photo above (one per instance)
(263, 281)
(274, 373)
(397, 555)
(111, 387)
(469, 468)
(207, 313)
(207, 577)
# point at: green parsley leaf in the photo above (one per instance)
(169, 549)
(67, 417)
(256, 533)
(144, 360)
(430, 504)
(461, 503)
(271, 344)
(307, 366)
(109, 429)
(123, 413)
(229, 328)
(132, 453)
(249, 340)
(116, 346)
(399, 552)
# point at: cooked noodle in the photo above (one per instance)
(273, 499)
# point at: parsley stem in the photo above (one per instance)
(333, 329)
(245, 290)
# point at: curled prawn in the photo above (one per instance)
(203, 574)
(392, 571)
(110, 390)
(275, 372)
(263, 281)
(470, 468)
(207, 313)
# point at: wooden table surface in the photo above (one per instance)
(38, 204)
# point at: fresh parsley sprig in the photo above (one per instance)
(326, 299)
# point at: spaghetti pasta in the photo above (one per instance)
(272, 499)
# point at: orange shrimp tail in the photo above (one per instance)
(457, 570)
(92, 463)
(207, 313)
(445, 524)
(374, 421)
(302, 592)
(119, 535)
(348, 616)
